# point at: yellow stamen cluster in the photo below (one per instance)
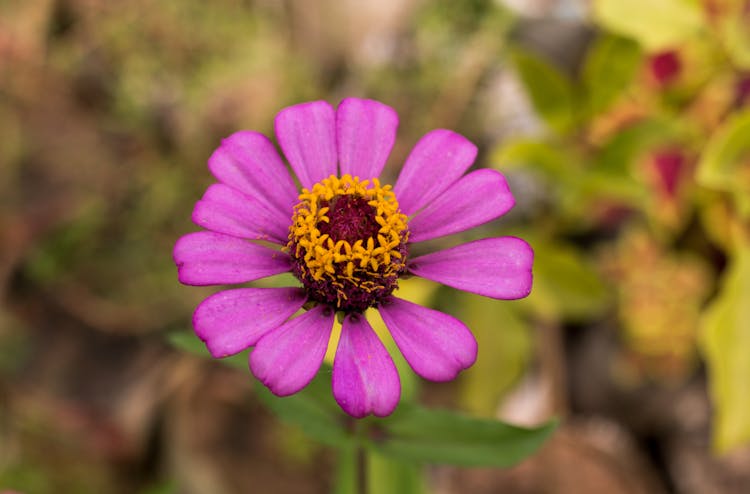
(362, 262)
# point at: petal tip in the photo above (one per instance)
(459, 141)
(365, 380)
(436, 345)
(217, 352)
(369, 104)
(290, 111)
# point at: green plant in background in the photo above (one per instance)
(650, 140)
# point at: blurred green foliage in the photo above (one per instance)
(724, 162)
(655, 25)
(725, 340)
(650, 135)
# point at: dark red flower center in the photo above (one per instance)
(348, 242)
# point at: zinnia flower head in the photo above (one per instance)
(346, 237)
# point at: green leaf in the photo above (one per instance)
(571, 186)
(725, 162)
(505, 345)
(418, 434)
(313, 410)
(617, 155)
(388, 476)
(656, 25)
(566, 286)
(612, 175)
(736, 36)
(529, 153)
(188, 342)
(555, 162)
(597, 184)
(610, 65)
(725, 340)
(550, 91)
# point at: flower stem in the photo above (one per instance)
(346, 479)
(353, 462)
(361, 470)
(361, 459)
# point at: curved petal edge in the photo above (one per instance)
(494, 267)
(438, 159)
(365, 380)
(475, 199)
(209, 258)
(248, 161)
(307, 134)
(232, 320)
(286, 359)
(365, 133)
(436, 345)
(223, 209)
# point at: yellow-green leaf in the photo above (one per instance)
(550, 91)
(610, 65)
(655, 25)
(565, 284)
(505, 344)
(533, 154)
(725, 163)
(725, 340)
(736, 36)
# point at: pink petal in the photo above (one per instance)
(436, 345)
(248, 162)
(493, 267)
(287, 358)
(307, 134)
(233, 320)
(475, 199)
(365, 380)
(435, 163)
(365, 133)
(226, 210)
(208, 258)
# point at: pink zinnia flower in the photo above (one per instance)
(346, 237)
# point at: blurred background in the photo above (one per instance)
(623, 127)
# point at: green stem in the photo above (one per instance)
(347, 476)
(353, 463)
(361, 459)
(361, 470)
